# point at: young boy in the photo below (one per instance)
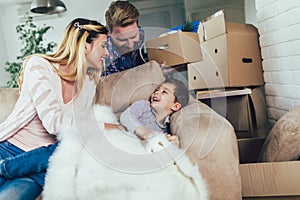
(145, 117)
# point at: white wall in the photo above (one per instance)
(10, 45)
(199, 10)
(157, 16)
(279, 28)
(3, 56)
(250, 12)
(157, 13)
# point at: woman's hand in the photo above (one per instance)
(109, 126)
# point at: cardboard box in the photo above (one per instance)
(231, 56)
(266, 180)
(176, 49)
(249, 149)
(273, 180)
(246, 112)
(259, 132)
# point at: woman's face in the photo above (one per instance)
(96, 52)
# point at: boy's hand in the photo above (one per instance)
(142, 132)
(114, 126)
(173, 139)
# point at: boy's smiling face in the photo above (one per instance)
(163, 99)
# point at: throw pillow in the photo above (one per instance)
(283, 141)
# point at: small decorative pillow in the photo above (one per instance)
(283, 141)
(121, 89)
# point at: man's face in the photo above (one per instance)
(125, 38)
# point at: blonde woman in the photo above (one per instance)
(49, 86)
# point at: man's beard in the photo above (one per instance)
(124, 50)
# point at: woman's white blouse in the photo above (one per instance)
(41, 96)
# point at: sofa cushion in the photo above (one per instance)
(8, 98)
(121, 89)
(282, 143)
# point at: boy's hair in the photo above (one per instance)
(181, 91)
(121, 13)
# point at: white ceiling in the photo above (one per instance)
(9, 2)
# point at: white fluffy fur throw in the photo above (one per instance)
(113, 165)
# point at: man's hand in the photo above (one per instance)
(166, 69)
(143, 133)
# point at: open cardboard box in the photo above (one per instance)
(176, 48)
(266, 180)
(246, 112)
(231, 55)
(249, 149)
(271, 180)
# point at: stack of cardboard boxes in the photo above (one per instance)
(220, 56)
(224, 65)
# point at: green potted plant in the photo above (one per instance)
(32, 38)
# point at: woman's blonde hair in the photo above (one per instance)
(72, 50)
(121, 13)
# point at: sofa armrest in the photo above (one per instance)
(121, 89)
(8, 99)
(210, 141)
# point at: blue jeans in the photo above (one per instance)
(22, 173)
(20, 189)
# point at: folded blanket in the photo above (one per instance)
(91, 163)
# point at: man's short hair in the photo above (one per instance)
(121, 13)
